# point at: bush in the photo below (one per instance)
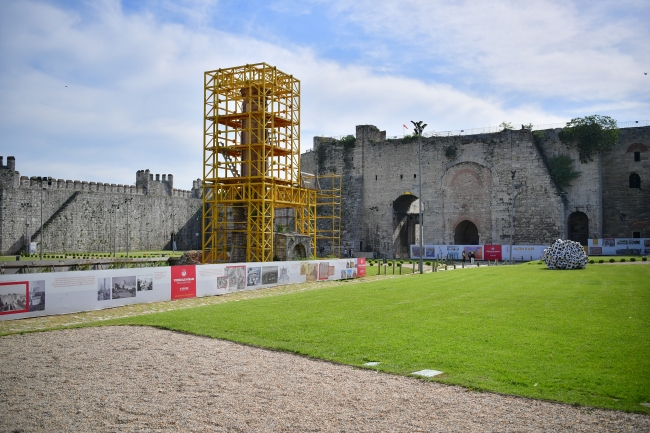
(622, 260)
(371, 263)
(612, 260)
(601, 261)
(591, 261)
(590, 135)
(562, 172)
(644, 259)
(428, 263)
(633, 259)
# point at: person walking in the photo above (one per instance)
(471, 257)
(464, 258)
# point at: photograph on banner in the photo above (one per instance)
(323, 270)
(236, 278)
(476, 249)
(269, 275)
(37, 295)
(123, 287)
(254, 276)
(283, 275)
(104, 289)
(309, 270)
(13, 297)
(145, 282)
(595, 251)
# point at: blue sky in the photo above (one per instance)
(134, 71)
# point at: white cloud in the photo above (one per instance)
(134, 92)
(544, 48)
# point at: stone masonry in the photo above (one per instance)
(468, 183)
(83, 216)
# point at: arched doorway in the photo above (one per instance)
(299, 252)
(466, 233)
(579, 227)
(405, 224)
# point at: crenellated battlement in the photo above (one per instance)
(145, 183)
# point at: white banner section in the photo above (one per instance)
(619, 247)
(32, 295)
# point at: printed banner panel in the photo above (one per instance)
(619, 247)
(501, 251)
(183, 281)
(492, 252)
(31, 295)
(71, 292)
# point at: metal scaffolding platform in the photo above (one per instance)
(328, 215)
(251, 163)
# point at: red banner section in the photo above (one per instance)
(183, 282)
(361, 267)
(492, 252)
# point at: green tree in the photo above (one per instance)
(505, 126)
(562, 171)
(591, 134)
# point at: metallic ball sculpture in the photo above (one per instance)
(565, 255)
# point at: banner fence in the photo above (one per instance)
(44, 294)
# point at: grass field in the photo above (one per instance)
(570, 336)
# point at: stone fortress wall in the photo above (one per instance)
(83, 216)
(468, 184)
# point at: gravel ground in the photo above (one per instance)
(137, 379)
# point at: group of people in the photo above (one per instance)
(471, 256)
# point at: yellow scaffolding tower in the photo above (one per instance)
(251, 162)
(328, 214)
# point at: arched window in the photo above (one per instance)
(635, 181)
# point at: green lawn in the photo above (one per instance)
(572, 336)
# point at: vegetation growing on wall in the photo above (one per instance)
(538, 139)
(505, 126)
(348, 141)
(450, 152)
(321, 156)
(562, 171)
(590, 134)
(409, 138)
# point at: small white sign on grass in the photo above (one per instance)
(427, 373)
(371, 364)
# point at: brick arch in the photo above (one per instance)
(468, 159)
(467, 188)
(637, 147)
(469, 171)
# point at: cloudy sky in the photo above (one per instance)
(97, 89)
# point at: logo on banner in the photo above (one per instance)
(183, 282)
